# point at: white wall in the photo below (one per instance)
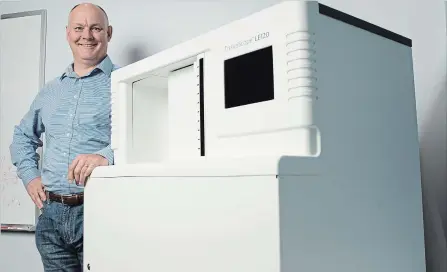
(145, 27)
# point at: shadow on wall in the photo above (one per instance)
(433, 170)
(135, 52)
(433, 142)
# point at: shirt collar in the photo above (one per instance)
(106, 66)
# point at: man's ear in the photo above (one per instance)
(66, 32)
(109, 32)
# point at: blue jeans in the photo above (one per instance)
(59, 237)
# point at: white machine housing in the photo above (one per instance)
(283, 141)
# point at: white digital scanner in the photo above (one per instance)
(281, 142)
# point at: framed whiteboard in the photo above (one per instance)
(22, 66)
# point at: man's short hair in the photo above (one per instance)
(105, 13)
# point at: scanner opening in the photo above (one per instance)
(166, 114)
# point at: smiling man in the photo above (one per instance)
(74, 112)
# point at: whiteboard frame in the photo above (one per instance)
(43, 35)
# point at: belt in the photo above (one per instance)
(71, 200)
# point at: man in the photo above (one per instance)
(74, 112)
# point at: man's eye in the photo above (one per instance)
(96, 29)
(78, 28)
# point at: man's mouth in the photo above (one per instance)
(87, 45)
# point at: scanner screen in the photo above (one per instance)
(249, 78)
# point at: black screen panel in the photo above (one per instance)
(249, 78)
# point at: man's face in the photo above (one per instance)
(88, 34)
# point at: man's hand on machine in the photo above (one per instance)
(36, 192)
(83, 165)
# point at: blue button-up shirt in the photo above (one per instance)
(74, 114)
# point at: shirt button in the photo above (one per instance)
(68, 134)
(75, 96)
(65, 154)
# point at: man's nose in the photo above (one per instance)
(87, 34)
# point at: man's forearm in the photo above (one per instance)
(24, 156)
